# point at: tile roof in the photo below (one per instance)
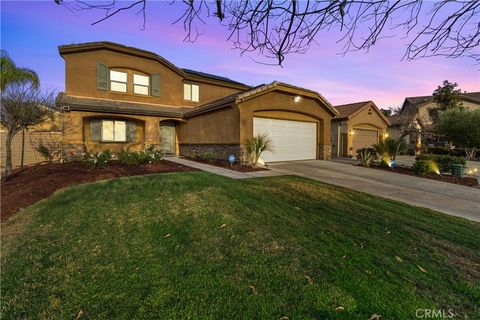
(245, 94)
(346, 110)
(211, 76)
(416, 101)
(118, 107)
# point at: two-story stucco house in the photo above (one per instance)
(415, 114)
(123, 98)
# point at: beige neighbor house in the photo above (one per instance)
(415, 117)
(123, 98)
(358, 125)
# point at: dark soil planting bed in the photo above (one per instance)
(237, 166)
(465, 181)
(40, 181)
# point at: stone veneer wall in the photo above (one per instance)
(325, 151)
(221, 151)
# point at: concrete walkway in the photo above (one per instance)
(440, 196)
(224, 172)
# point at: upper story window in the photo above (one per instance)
(191, 92)
(127, 81)
(118, 81)
(141, 84)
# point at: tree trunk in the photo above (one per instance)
(23, 150)
(8, 149)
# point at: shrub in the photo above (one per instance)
(366, 155)
(388, 149)
(207, 156)
(256, 146)
(438, 150)
(44, 151)
(149, 155)
(49, 150)
(422, 167)
(97, 159)
(445, 162)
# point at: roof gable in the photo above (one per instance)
(261, 90)
(349, 111)
(185, 73)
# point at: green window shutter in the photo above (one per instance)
(102, 76)
(95, 130)
(131, 131)
(156, 85)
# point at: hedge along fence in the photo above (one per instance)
(32, 140)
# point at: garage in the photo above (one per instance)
(292, 140)
(363, 138)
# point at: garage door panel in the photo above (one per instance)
(364, 138)
(291, 140)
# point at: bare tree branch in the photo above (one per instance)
(276, 28)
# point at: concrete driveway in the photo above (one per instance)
(436, 195)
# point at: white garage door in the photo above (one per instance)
(364, 138)
(292, 140)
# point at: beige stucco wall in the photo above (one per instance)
(424, 115)
(77, 131)
(81, 79)
(217, 127)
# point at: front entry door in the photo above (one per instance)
(167, 137)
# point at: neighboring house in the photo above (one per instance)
(414, 121)
(123, 98)
(359, 125)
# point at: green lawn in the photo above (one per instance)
(200, 246)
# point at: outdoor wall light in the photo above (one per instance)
(297, 99)
(352, 132)
(386, 135)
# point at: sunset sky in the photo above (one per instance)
(31, 32)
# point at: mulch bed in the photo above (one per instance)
(465, 181)
(40, 181)
(225, 164)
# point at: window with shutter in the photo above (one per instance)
(95, 130)
(156, 85)
(131, 131)
(102, 76)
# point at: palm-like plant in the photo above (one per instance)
(11, 74)
(256, 146)
(388, 149)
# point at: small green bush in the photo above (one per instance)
(44, 152)
(207, 156)
(438, 150)
(422, 167)
(366, 155)
(149, 155)
(97, 159)
(445, 162)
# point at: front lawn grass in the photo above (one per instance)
(200, 246)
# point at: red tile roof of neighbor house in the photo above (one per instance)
(348, 111)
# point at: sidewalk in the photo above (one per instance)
(224, 172)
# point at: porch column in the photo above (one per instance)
(152, 132)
